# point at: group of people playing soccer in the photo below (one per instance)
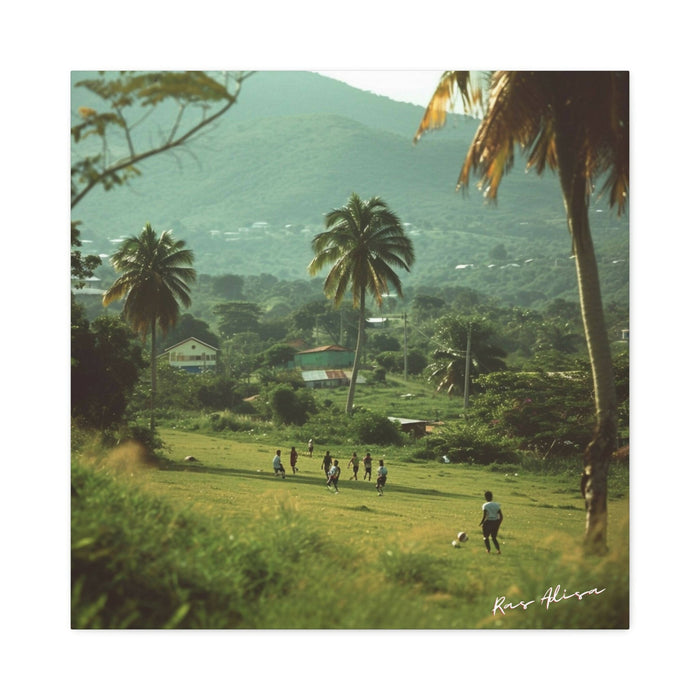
(492, 515)
(332, 469)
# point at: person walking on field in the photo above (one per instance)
(491, 521)
(327, 462)
(355, 464)
(333, 476)
(382, 472)
(293, 456)
(277, 464)
(367, 461)
(310, 448)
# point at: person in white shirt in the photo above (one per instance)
(491, 520)
(277, 464)
(333, 476)
(381, 477)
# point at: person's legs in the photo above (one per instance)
(491, 530)
(485, 533)
(495, 535)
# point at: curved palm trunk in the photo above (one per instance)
(358, 353)
(153, 374)
(597, 455)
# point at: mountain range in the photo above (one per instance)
(249, 195)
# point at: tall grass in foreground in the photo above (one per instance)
(140, 561)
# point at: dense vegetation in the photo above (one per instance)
(538, 401)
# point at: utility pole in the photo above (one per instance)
(405, 352)
(466, 368)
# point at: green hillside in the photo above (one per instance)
(249, 195)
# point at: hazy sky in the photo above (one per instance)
(415, 86)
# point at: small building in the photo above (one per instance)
(324, 357)
(328, 378)
(192, 355)
(416, 427)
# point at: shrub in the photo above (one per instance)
(473, 444)
(228, 421)
(379, 375)
(548, 412)
(291, 406)
(374, 429)
(330, 426)
(390, 361)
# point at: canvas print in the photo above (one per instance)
(350, 350)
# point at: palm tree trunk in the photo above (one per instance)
(153, 374)
(594, 481)
(598, 452)
(358, 352)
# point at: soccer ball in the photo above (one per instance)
(462, 536)
(455, 543)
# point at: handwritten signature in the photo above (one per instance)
(550, 597)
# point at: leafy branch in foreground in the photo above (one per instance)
(113, 130)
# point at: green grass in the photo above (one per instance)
(222, 543)
(410, 398)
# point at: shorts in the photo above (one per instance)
(490, 528)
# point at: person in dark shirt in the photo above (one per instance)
(327, 462)
(367, 461)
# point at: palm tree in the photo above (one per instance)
(578, 124)
(555, 336)
(154, 271)
(452, 336)
(362, 241)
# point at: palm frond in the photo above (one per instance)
(452, 84)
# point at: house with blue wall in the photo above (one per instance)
(324, 357)
(192, 355)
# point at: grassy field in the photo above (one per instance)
(228, 545)
(409, 398)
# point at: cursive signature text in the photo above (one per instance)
(551, 596)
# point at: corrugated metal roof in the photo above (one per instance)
(407, 421)
(325, 348)
(314, 375)
(321, 375)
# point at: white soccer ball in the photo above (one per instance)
(455, 543)
(462, 536)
